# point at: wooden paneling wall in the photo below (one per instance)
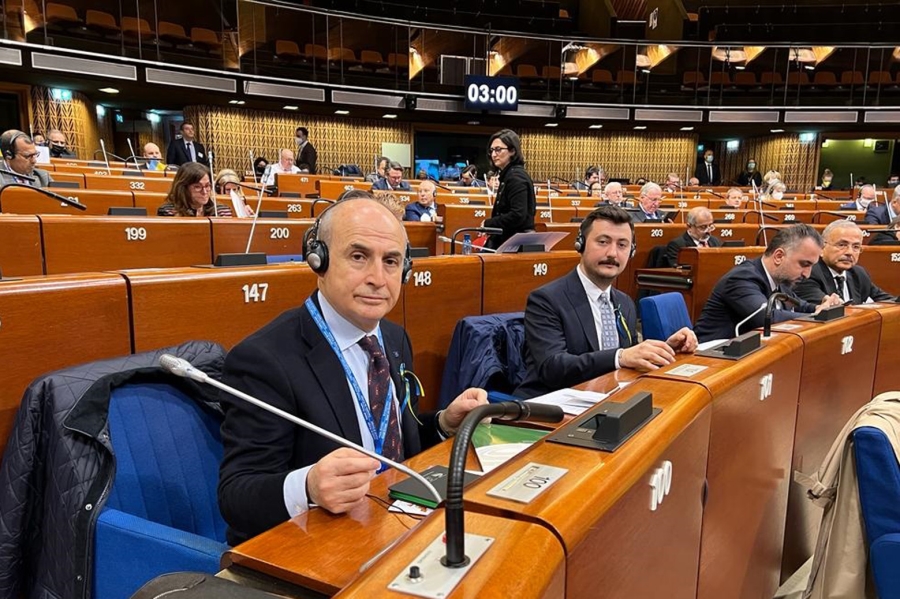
(77, 118)
(796, 161)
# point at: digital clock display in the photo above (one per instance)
(491, 93)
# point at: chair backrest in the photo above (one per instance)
(662, 315)
(168, 450)
(878, 479)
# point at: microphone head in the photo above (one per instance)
(181, 367)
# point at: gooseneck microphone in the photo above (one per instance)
(55, 196)
(183, 368)
(453, 510)
(258, 206)
(737, 327)
(485, 230)
(6, 171)
(770, 305)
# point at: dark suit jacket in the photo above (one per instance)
(308, 156)
(884, 238)
(383, 185)
(415, 210)
(637, 215)
(177, 153)
(702, 175)
(737, 295)
(878, 215)
(289, 364)
(849, 206)
(561, 345)
(820, 283)
(41, 178)
(514, 207)
(684, 241)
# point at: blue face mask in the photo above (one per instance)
(709, 158)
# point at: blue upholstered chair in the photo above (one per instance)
(162, 514)
(878, 478)
(662, 315)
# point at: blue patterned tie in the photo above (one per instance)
(609, 335)
(379, 396)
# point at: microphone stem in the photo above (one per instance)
(328, 434)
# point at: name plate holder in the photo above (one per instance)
(611, 425)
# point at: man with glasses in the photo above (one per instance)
(393, 180)
(284, 166)
(699, 234)
(650, 198)
(19, 157)
(614, 195)
(837, 270)
(514, 208)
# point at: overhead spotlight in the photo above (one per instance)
(153, 117)
(109, 90)
(232, 101)
(291, 107)
(551, 125)
(410, 102)
(640, 127)
(342, 112)
(687, 128)
(596, 127)
(806, 138)
(561, 110)
(776, 130)
(389, 116)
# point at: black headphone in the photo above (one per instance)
(581, 242)
(8, 142)
(317, 250)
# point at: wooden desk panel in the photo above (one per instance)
(151, 200)
(749, 466)
(539, 571)
(66, 178)
(646, 237)
(21, 200)
(20, 246)
(48, 323)
(422, 235)
(230, 303)
(601, 507)
(303, 183)
(95, 243)
(294, 208)
(464, 199)
(833, 385)
(272, 236)
(332, 189)
(457, 217)
(508, 279)
(546, 214)
(707, 266)
(888, 363)
(441, 291)
(883, 264)
(127, 183)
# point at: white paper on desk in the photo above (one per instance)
(491, 456)
(710, 344)
(410, 509)
(572, 401)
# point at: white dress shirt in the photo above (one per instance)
(845, 292)
(593, 294)
(277, 168)
(347, 337)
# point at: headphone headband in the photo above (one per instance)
(8, 145)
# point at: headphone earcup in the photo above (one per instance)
(633, 250)
(317, 256)
(579, 243)
(407, 266)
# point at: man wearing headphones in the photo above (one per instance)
(593, 174)
(423, 208)
(337, 363)
(19, 157)
(579, 327)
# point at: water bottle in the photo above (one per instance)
(467, 244)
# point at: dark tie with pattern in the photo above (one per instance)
(839, 282)
(704, 243)
(379, 391)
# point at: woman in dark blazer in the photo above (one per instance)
(514, 207)
(192, 194)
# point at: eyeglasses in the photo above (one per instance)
(496, 149)
(31, 156)
(705, 228)
(197, 187)
(844, 246)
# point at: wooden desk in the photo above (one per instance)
(332, 189)
(228, 303)
(646, 237)
(20, 246)
(546, 214)
(95, 243)
(304, 184)
(601, 507)
(749, 466)
(127, 183)
(834, 383)
(422, 235)
(441, 291)
(887, 364)
(707, 266)
(294, 208)
(151, 200)
(540, 563)
(883, 264)
(67, 178)
(21, 200)
(465, 199)
(48, 323)
(508, 279)
(456, 217)
(272, 236)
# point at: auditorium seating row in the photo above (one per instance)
(699, 504)
(55, 321)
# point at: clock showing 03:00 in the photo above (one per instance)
(491, 93)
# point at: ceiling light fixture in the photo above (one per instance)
(342, 112)
(687, 128)
(640, 127)
(389, 116)
(109, 90)
(291, 107)
(596, 127)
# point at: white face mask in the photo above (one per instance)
(709, 158)
(299, 140)
(777, 195)
(864, 202)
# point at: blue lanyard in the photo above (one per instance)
(379, 435)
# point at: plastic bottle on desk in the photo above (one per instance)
(467, 244)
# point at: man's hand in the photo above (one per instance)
(683, 341)
(454, 414)
(340, 480)
(829, 301)
(649, 355)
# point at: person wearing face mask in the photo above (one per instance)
(750, 175)
(707, 172)
(58, 144)
(865, 198)
(827, 177)
(893, 180)
(306, 152)
(775, 191)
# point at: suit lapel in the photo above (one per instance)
(579, 300)
(853, 286)
(328, 371)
